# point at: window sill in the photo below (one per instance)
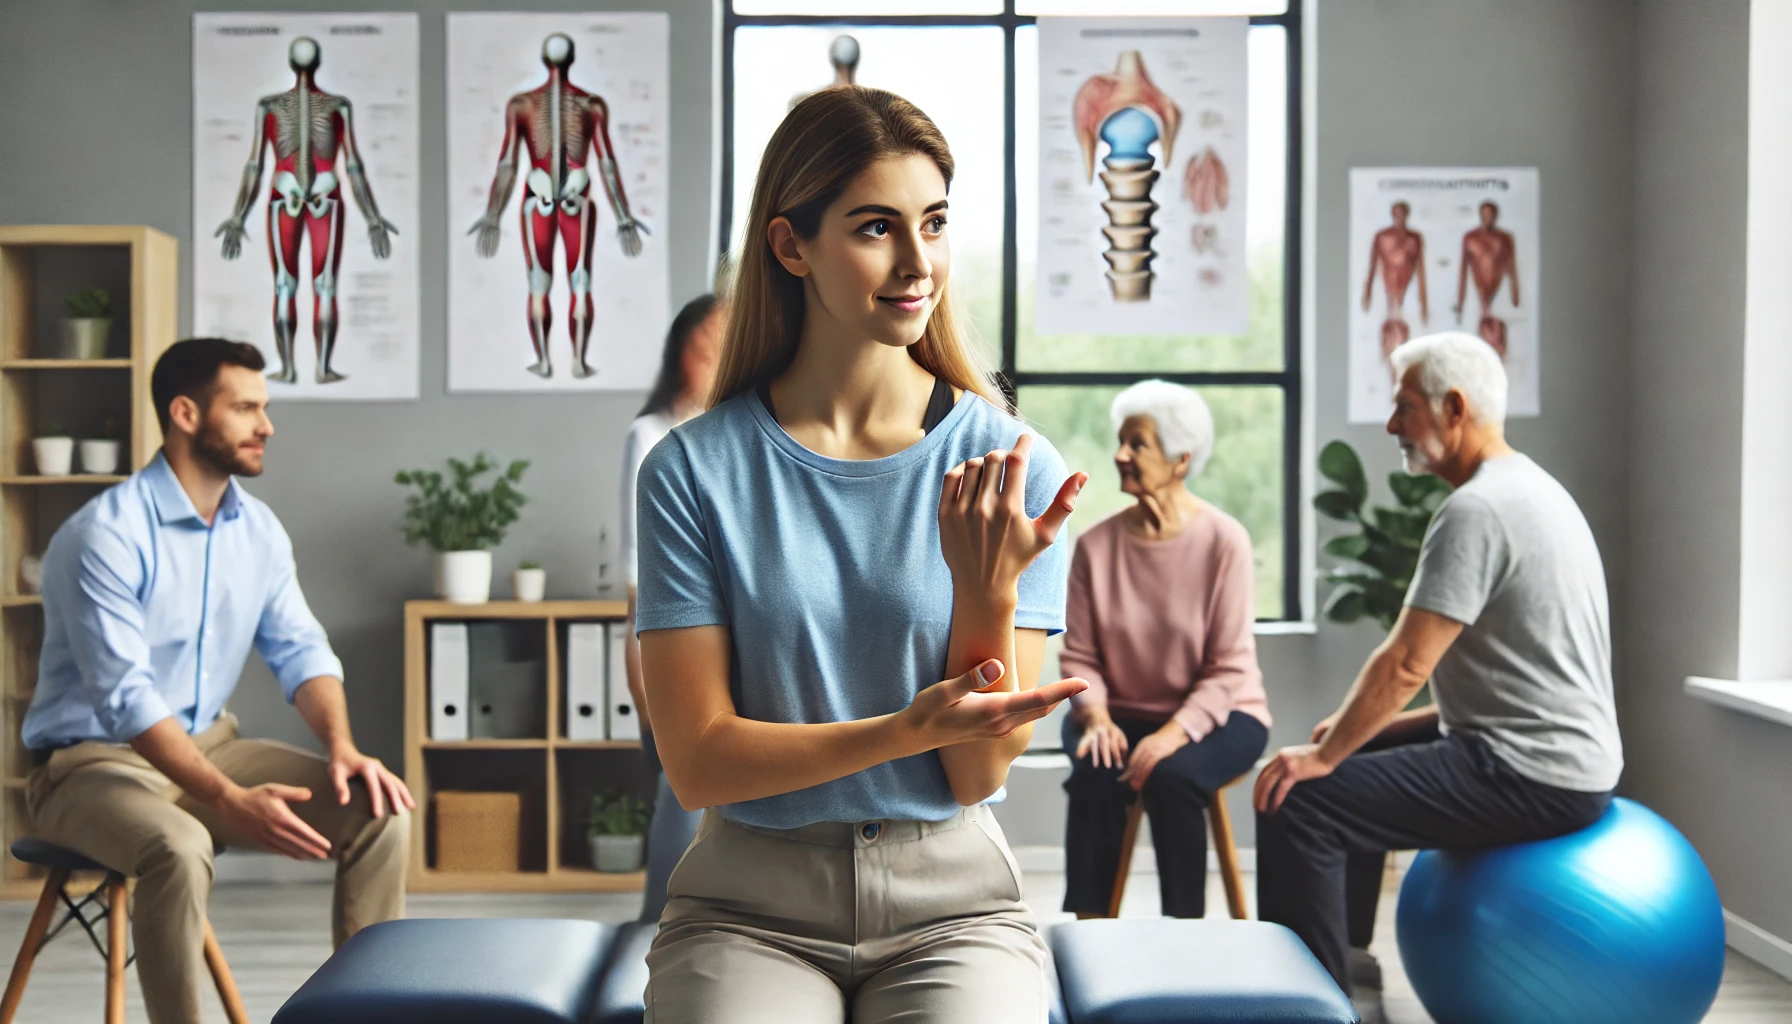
(1285, 628)
(1771, 699)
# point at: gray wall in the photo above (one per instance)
(1720, 776)
(111, 144)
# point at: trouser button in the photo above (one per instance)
(869, 831)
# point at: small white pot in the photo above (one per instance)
(529, 584)
(464, 577)
(55, 455)
(617, 853)
(99, 457)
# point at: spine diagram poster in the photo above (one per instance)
(557, 178)
(305, 209)
(1442, 248)
(1142, 176)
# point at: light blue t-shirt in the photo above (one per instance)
(828, 574)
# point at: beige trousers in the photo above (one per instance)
(107, 803)
(872, 922)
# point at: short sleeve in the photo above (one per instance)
(1044, 584)
(1462, 560)
(678, 584)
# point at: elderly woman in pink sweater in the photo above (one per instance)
(1159, 622)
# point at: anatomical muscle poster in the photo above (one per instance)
(557, 204)
(1436, 249)
(305, 197)
(1142, 176)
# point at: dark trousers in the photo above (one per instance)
(1176, 796)
(1319, 857)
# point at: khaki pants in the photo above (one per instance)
(107, 803)
(873, 922)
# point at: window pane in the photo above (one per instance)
(1244, 477)
(954, 74)
(1133, 8)
(1261, 348)
(846, 7)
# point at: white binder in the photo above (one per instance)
(586, 713)
(448, 670)
(625, 724)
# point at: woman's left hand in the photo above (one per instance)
(1150, 751)
(985, 532)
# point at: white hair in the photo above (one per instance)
(1183, 422)
(1456, 361)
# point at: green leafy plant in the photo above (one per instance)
(529, 565)
(455, 512)
(89, 304)
(618, 814)
(1376, 563)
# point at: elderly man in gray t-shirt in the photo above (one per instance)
(1507, 617)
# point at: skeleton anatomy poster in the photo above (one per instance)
(557, 205)
(1436, 249)
(1142, 176)
(305, 197)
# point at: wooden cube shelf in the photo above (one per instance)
(555, 776)
(39, 265)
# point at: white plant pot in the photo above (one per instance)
(617, 853)
(464, 577)
(99, 457)
(529, 584)
(55, 455)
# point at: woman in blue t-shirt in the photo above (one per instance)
(856, 518)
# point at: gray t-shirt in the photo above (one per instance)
(1510, 556)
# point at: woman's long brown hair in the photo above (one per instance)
(824, 142)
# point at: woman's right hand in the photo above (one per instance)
(955, 711)
(1102, 740)
(986, 536)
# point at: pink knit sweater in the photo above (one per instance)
(1163, 628)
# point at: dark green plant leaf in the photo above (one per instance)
(1351, 545)
(1406, 528)
(1345, 605)
(1337, 505)
(1418, 493)
(1338, 462)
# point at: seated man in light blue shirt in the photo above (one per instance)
(153, 594)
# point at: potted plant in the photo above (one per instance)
(618, 831)
(529, 582)
(53, 451)
(1376, 562)
(88, 324)
(462, 520)
(99, 455)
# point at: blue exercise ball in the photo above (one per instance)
(1618, 923)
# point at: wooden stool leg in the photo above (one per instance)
(34, 937)
(118, 919)
(1226, 852)
(227, 993)
(1133, 814)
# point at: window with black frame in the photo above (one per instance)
(972, 65)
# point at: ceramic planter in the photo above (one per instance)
(84, 338)
(99, 457)
(464, 577)
(617, 853)
(55, 456)
(529, 584)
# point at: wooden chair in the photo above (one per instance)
(109, 903)
(1223, 847)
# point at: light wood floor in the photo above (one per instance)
(276, 935)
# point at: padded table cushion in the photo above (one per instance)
(458, 971)
(1166, 971)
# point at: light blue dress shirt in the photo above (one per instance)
(149, 613)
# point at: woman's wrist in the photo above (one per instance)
(994, 597)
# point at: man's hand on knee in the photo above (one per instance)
(1289, 766)
(385, 791)
(263, 813)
